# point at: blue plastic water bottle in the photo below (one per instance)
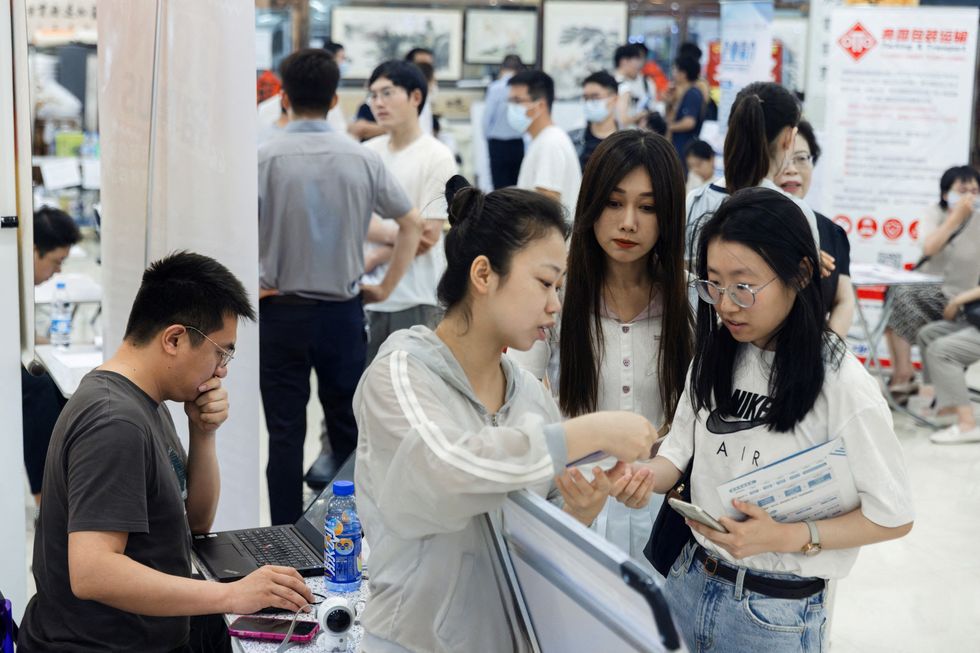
(61, 314)
(342, 541)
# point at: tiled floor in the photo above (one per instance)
(920, 593)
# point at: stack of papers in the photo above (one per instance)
(815, 483)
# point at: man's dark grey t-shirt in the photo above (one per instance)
(114, 464)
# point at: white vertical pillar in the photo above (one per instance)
(15, 206)
(203, 179)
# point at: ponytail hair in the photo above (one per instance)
(496, 225)
(761, 111)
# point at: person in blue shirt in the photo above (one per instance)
(505, 144)
(685, 120)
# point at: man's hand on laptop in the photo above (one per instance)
(269, 587)
(210, 409)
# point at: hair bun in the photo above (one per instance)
(463, 200)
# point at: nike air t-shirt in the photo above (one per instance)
(850, 406)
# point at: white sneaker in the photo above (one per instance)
(953, 435)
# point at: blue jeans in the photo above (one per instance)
(716, 615)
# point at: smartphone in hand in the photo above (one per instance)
(696, 513)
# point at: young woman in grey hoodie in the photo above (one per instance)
(448, 425)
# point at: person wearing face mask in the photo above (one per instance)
(838, 293)
(761, 134)
(54, 234)
(505, 146)
(550, 165)
(950, 236)
(600, 93)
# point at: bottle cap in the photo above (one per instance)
(60, 285)
(343, 488)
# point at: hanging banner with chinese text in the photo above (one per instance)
(898, 115)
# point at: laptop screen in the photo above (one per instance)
(311, 523)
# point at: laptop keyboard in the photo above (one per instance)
(278, 547)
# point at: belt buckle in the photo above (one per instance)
(711, 565)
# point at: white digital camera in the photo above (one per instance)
(336, 618)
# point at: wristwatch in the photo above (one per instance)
(813, 547)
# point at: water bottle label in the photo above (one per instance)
(341, 552)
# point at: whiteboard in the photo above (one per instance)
(579, 592)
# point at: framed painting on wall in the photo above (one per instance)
(372, 35)
(493, 34)
(581, 38)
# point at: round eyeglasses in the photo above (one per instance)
(741, 294)
(226, 356)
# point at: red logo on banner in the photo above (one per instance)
(914, 230)
(892, 228)
(857, 41)
(844, 222)
(867, 227)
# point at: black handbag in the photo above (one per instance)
(670, 534)
(971, 311)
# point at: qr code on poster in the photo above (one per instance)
(891, 259)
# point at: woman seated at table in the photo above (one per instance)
(950, 235)
(948, 347)
(448, 426)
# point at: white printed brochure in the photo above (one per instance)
(815, 483)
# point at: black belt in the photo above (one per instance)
(774, 587)
(291, 300)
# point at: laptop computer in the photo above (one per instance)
(231, 555)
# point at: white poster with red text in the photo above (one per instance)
(899, 113)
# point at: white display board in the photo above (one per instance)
(576, 591)
(901, 114)
(746, 49)
(204, 184)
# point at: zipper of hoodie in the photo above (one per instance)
(492, 419)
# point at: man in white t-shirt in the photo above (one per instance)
(422, 165)
(550, 166)
(635, 90)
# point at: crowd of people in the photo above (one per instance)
(465, 344)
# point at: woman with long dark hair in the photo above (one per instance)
(448, 426)
(758, 146)
(768, 380)
(625, 335)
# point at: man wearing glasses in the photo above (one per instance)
(121, 496)
(422, 165)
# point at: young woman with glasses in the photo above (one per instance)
(768, 379)
(625, 335)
